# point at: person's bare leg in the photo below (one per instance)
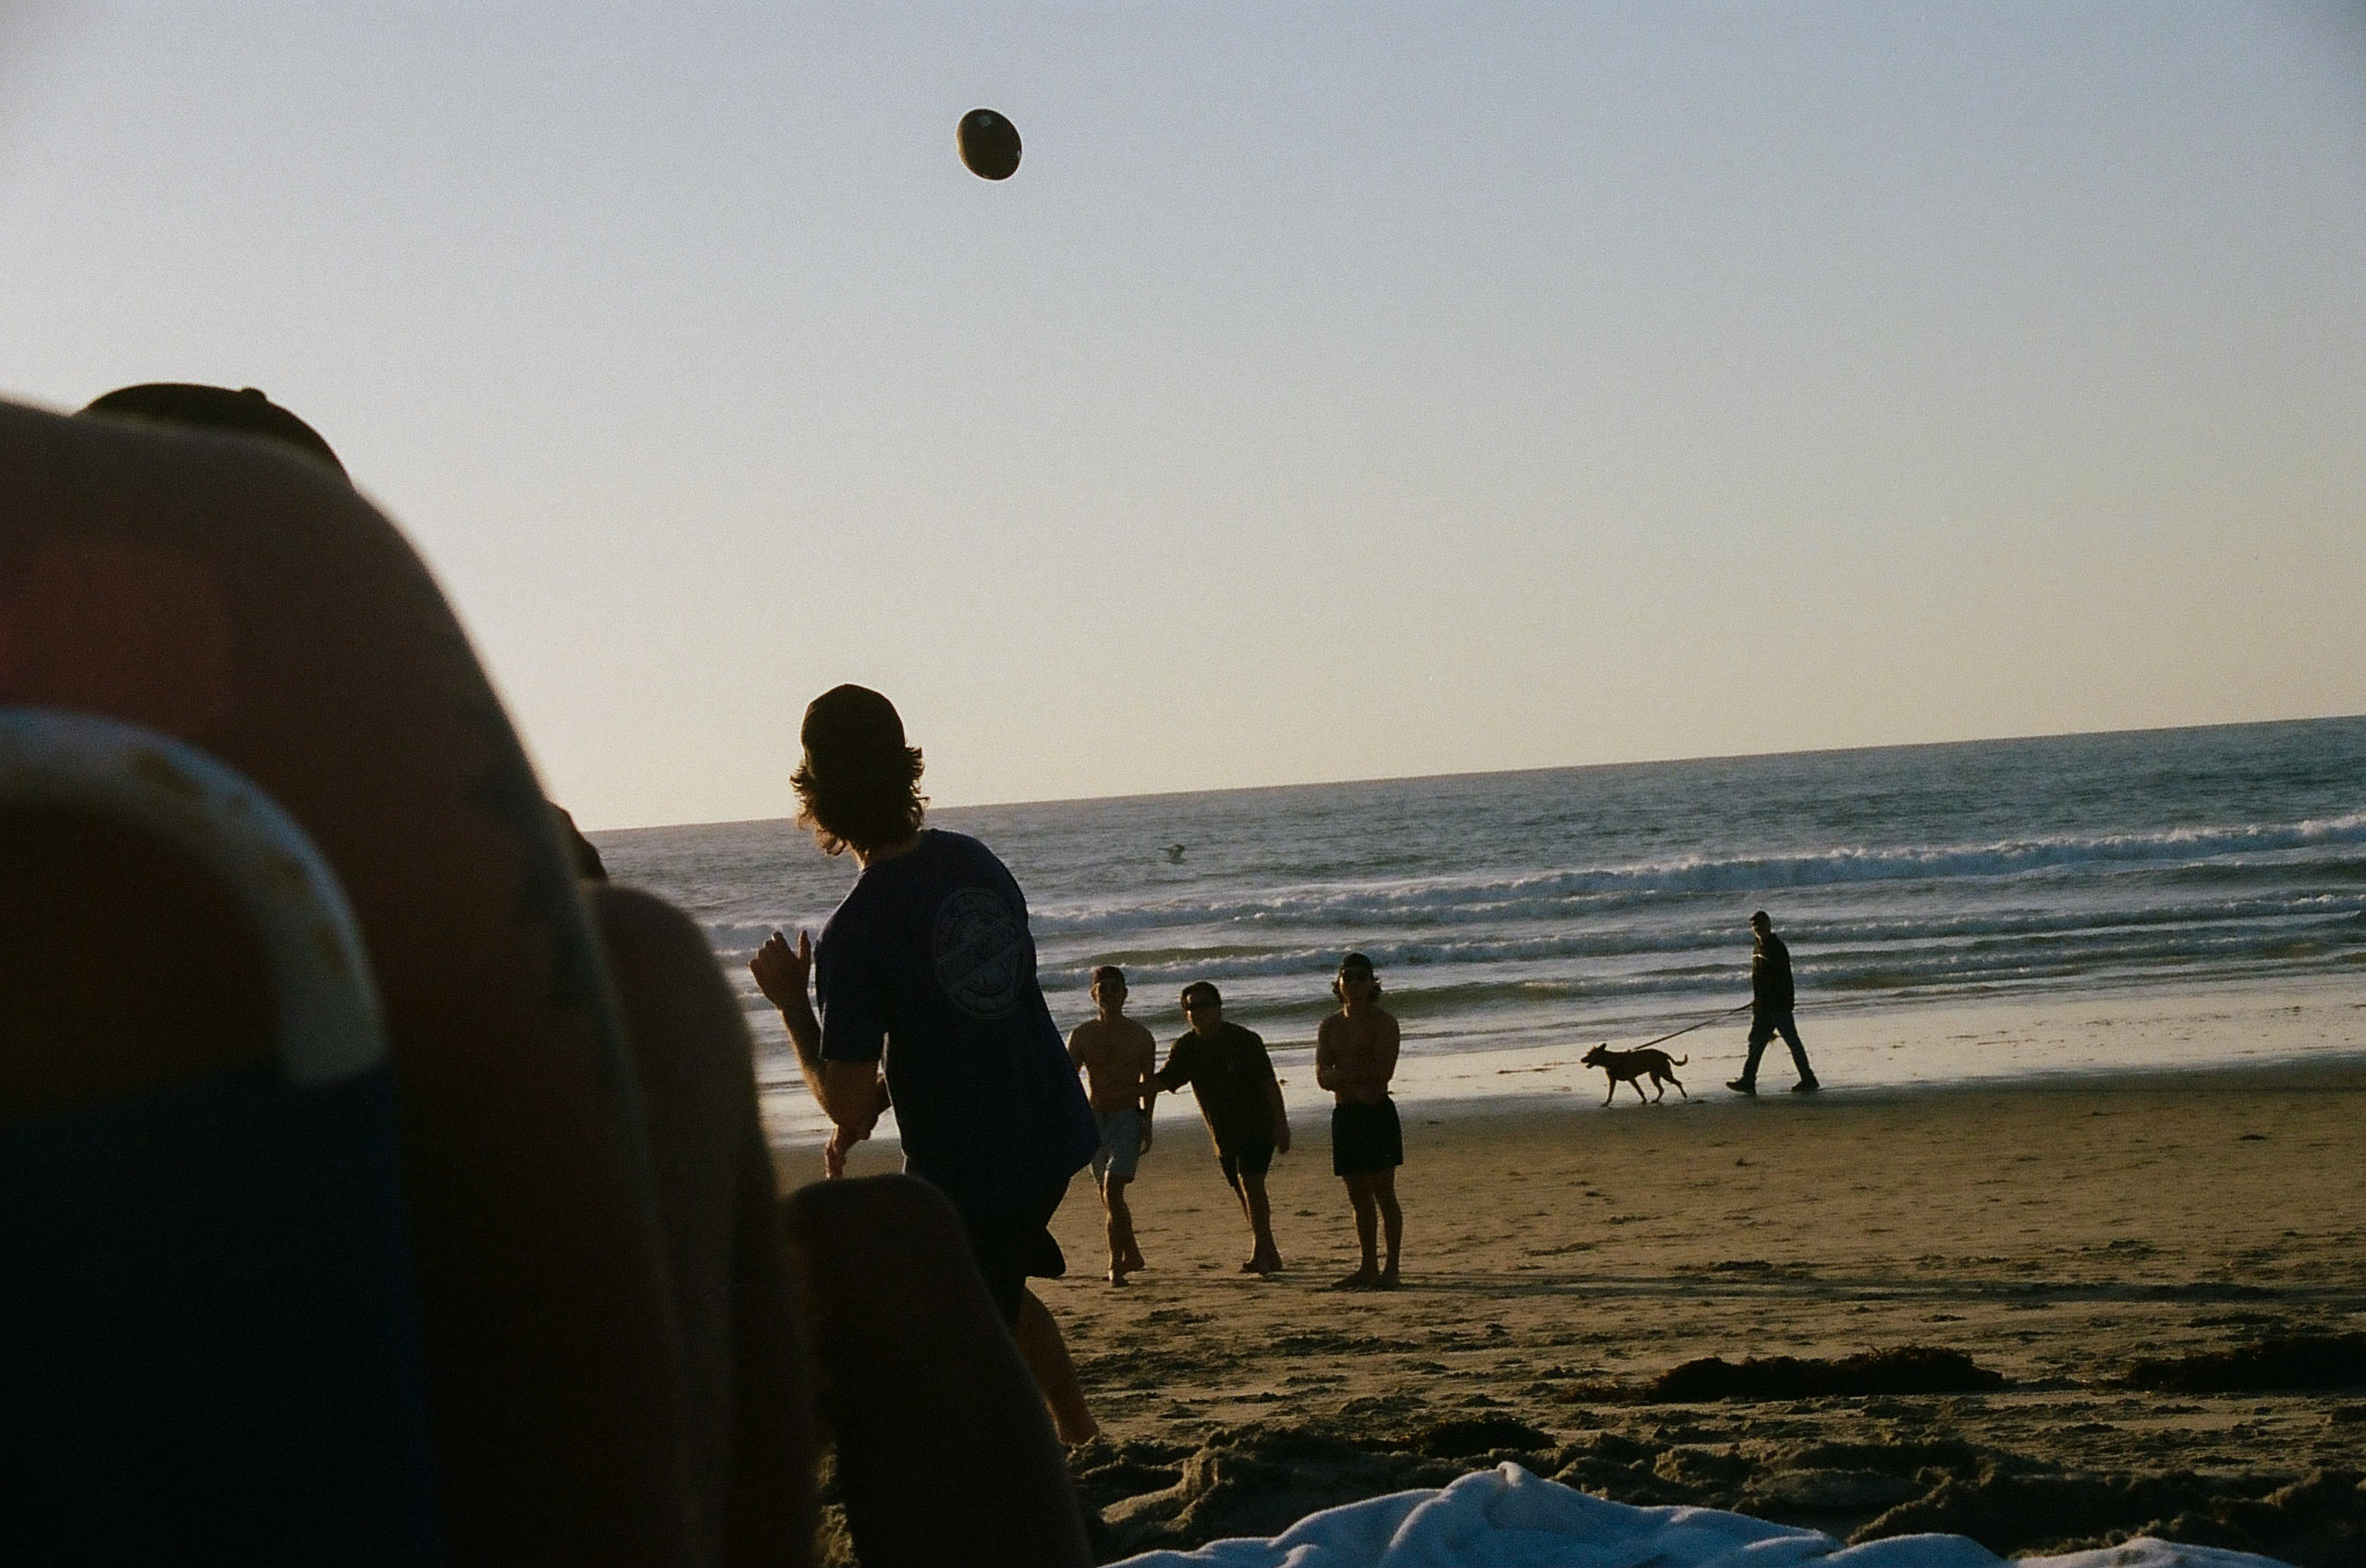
(1367, 1233)
(1046, 1356)
(1392, 1218)
(1133, 1248)
(749, 1442)
(946, 1452)
(1267, 1257)
(1124, 1257)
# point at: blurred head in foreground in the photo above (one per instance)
(248, 412)
(858, 785)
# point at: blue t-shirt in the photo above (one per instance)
(930, 963)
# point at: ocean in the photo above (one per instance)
(1516, 918)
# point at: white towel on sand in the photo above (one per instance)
(1508, 1518)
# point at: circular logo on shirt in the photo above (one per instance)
(983, 957)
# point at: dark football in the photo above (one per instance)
(989, 144)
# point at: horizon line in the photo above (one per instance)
(1543, 767)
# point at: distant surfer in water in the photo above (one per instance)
(1771, 1002)
(1355, 1055)
(1174, 854)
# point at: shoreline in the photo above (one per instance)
(2194, 1033)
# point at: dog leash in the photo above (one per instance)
(1689, 1027)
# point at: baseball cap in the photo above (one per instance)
(244, 412)
(851, 725)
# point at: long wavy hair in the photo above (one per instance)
(861, 804)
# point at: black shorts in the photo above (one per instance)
(1010, 1248)
(1250, 1159)
(1366, 1138)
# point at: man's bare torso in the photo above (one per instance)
(1116, 1056)
(1355, 1055)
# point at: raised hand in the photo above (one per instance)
(782, 971)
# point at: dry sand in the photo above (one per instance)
(1558, 1258)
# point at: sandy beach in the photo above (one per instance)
(1559, 1259)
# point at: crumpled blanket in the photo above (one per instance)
(1510, 1518)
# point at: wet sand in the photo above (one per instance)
(1558, 1258)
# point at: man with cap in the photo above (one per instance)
(1117, 1056)
(1355, 1055)
(1240, 1099)
(925, 996)
(1771, 1002)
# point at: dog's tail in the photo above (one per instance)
(1682, 1060)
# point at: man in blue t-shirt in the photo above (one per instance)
(925, 980)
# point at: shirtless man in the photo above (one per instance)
(1355, 1055)
(1117, 1056)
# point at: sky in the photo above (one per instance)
(1334, 392)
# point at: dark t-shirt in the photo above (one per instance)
(929, 962)
(1770, 976)
(1228, 1071)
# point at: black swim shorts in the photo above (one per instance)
(1010, 1248)
(1365, 1139)
(1255, 1159)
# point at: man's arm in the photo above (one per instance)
(1326, 1054)
(1384, 1056)
(850, 1093)
(1273, 1100)
(1178, 1071)
(1146, 1052)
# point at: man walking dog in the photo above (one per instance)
(1771, 1002)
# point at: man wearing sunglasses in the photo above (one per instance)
(1240, 1099)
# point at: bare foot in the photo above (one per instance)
(1254, 1266)
(1117, 1276)
(1389, 1279)
(1270, 1263)
(1362, 1278)
(1073, 1436)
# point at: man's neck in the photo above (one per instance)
(866, 858)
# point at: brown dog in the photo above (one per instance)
(1630, 1066)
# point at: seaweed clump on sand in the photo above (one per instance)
(1909, 1370)
(1250, 1480)
(2320, 1519)
(2279, 1361)
(1481, 1435)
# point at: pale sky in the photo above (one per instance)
(1335, 391)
